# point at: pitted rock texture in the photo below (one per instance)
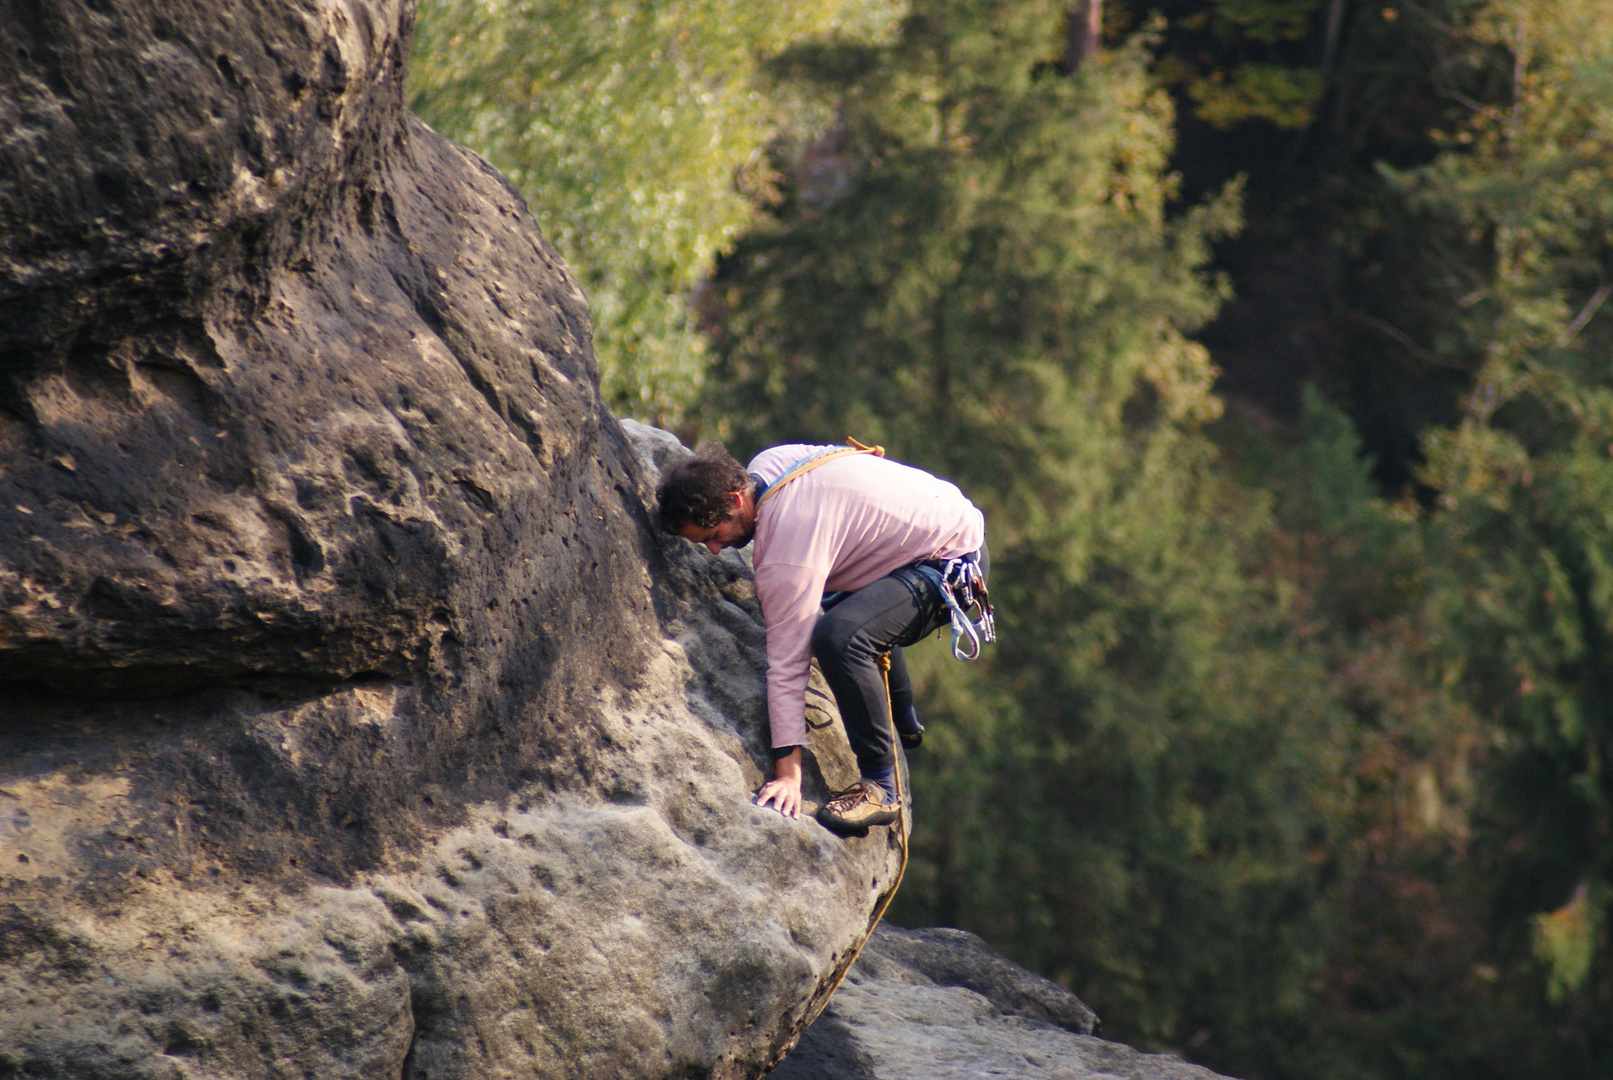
(940, 1005)
(355, 720)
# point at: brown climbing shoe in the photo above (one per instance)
(860, 806)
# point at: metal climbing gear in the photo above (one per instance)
(963, 587)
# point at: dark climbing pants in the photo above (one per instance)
(895, 611)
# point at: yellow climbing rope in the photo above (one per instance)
(901, 832)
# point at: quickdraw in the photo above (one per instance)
(962, 587)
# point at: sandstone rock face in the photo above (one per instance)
(354, 719)
(940, 1005)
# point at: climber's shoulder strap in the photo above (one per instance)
(813, 460)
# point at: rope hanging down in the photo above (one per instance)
(901, 870)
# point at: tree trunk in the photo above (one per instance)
(1335, 23)
(1083, 33)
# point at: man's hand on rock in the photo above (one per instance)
(784, 790)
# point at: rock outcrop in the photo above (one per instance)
(940, 1005)
(354, 719)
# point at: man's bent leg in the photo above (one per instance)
(893, 611)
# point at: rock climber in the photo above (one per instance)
(853, 557)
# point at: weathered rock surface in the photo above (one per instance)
(354, 720)
(940, 1005)
(949, 957)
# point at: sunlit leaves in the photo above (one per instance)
(1283, 96)
(635, 132)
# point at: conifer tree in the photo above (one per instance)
(1524, 531)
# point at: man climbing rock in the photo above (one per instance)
(881, 540)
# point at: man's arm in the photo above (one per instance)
(784, 790)
(789, 596)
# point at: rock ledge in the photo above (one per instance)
(941, 1005)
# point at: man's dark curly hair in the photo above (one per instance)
(695, 491)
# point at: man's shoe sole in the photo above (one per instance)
(865, 821)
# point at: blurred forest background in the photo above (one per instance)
(1271, 336)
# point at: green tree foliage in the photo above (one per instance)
(1242, 60)
(1333, 275)
(1525, 482)
(634, 130)
(952, 244)
(1397, 995)
(976, 267)
(1472, 938)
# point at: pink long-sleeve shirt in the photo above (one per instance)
(842, 526)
